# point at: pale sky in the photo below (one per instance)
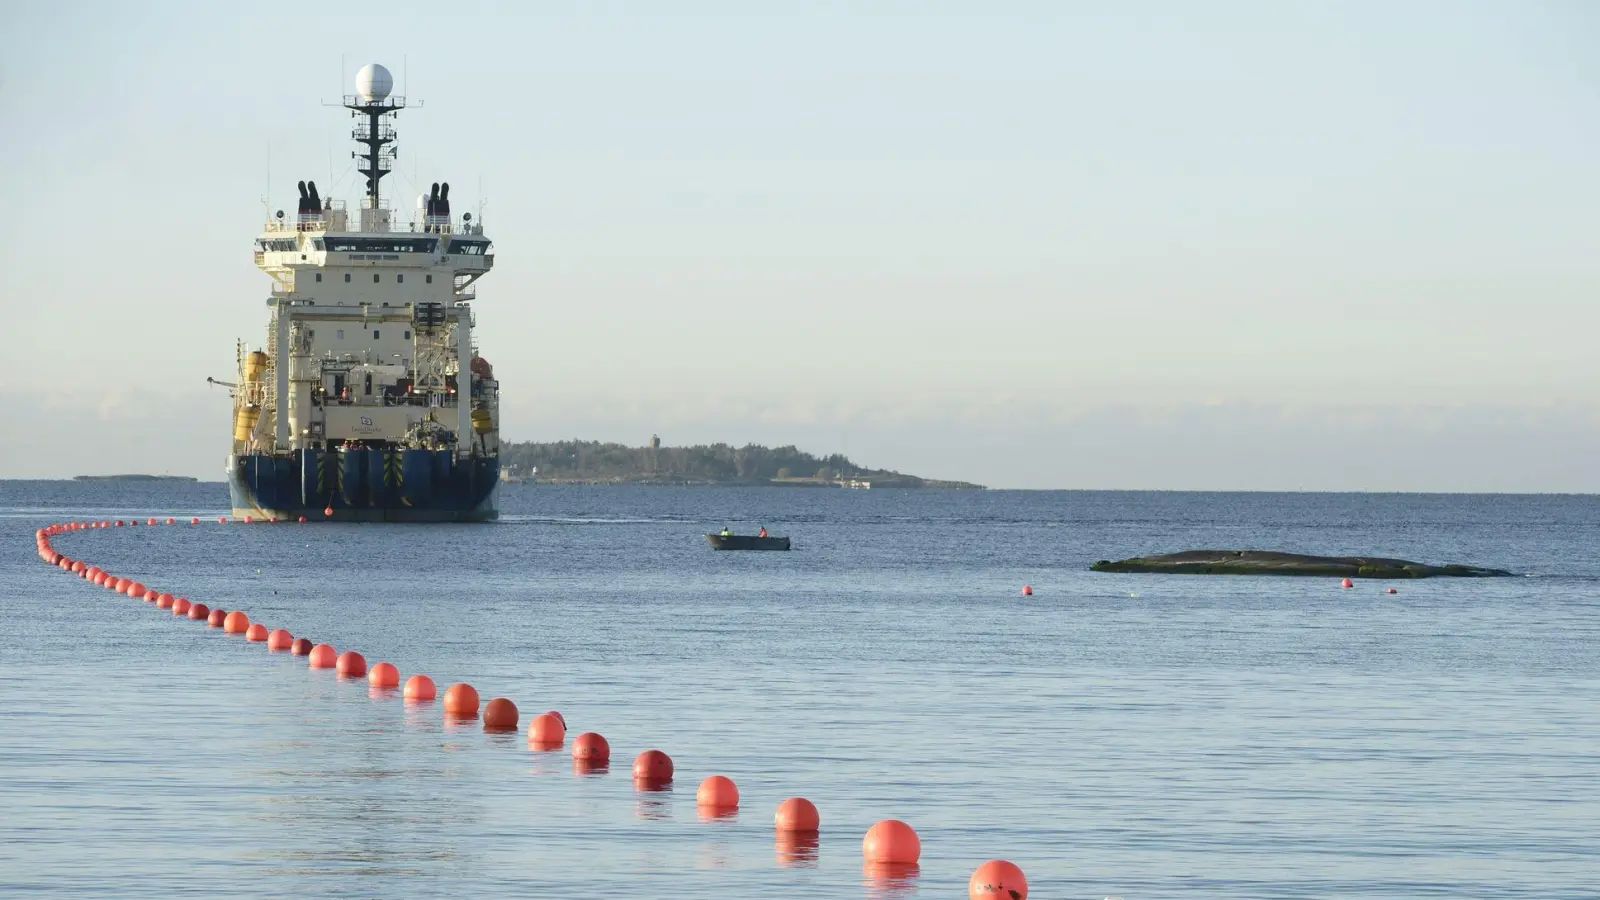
(1229, 245)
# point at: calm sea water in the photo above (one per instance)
(1141, 736)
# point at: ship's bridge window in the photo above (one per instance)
(277, 245)
(470, 248)
(382, 245)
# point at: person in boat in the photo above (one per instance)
(726, 531)
(763, 532)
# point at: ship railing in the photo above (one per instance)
(299, 223)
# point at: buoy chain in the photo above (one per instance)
(891, 848)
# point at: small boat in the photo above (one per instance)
(746, 542)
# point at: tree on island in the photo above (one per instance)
(576, 460)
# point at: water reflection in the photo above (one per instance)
(377, 692)
(797, 849)
(717, 813)
(652, 807)
(889, 880)
(588, 768)
(544, 746)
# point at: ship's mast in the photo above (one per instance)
(373, 104)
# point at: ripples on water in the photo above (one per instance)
(1124, 735)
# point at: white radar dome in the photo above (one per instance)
(374, 83)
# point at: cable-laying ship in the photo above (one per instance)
(368, 398)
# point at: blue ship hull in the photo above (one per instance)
(365, 486)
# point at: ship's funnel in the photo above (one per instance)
(305, 199)
(314, 202)
(444, 200)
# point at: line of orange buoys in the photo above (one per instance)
(891, 848)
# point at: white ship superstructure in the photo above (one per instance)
(368, 395)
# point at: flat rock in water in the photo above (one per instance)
(1271, 562)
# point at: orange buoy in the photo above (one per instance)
(1347, 583)
(719, 792)
(328, 512)
(172, 521)
(218, 618)
(323, 656)
(151, 595)
(461, 701)
(236, 622)
(797, 814)
(1027, 590)
(653, 766)
(119, 523)
(248, 519)
(499, 714)
(892, 841)
(592, 748)
(383, 675)
(279, 639)
(301, 520)
(222, 520)
(199, 612)
(256, 633)
(118, 584)
(151, 522)
(136, 591)
(300, 647)
(420, 689)
(79, 567)
(351, 664)
(546, 732)
(195, 521)
(165, 601)
(1391, 591)
(180, 606)
(998, 880)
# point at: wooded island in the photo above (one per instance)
(593, 462)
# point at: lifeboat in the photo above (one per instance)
(244, 422)
(255, 362)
